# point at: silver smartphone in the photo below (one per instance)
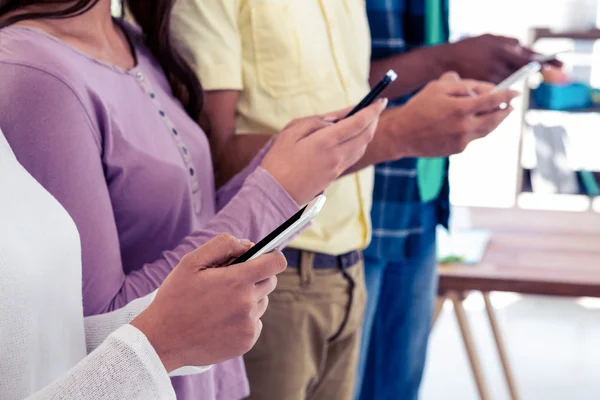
(285, 231)
(522, 74)
(545, 58)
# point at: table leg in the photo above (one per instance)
(439, 306)
(501, 348)
(463, 323)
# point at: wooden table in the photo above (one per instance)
(530, 252)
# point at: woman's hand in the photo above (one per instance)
(312, 152)
(204, 312)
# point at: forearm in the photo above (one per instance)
(231, 152)
(415, 68)
(382, 148)
(235, 154)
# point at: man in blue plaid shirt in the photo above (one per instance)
(411, 196)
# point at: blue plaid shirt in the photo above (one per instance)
(398, 26)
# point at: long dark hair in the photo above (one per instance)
(154, 19)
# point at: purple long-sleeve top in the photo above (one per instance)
(134, 171)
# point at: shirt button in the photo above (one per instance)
(192, 172)
(139, 76)
(185, 150)
(152, 95)
(162, 113)
(175, 131)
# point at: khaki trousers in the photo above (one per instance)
(308, 349)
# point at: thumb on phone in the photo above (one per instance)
(335, 116)
(216, 252)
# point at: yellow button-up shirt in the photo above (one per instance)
(289, 59)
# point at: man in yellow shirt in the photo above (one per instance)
(263, 63)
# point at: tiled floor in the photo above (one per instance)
(554, 347)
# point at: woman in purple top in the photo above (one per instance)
(103, 117)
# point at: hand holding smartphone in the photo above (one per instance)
(302, 218)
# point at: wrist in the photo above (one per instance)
(392, 125)
(288, 182)
(162, 348)
(443, 54)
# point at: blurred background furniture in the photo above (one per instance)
(530, 252)
(555, 348)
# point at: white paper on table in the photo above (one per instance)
(469, 244)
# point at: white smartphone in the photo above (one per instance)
(522, 74)
(284, 232)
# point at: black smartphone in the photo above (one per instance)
(389, 77)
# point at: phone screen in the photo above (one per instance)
(269, 238)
